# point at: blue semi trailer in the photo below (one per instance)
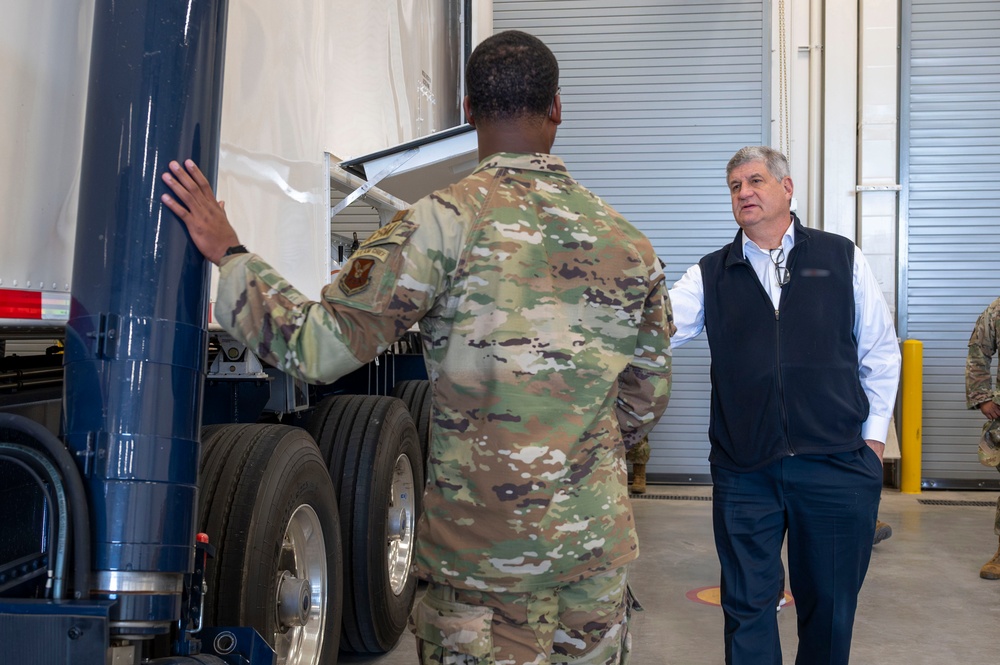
(165, 497)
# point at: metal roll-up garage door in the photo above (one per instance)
(657, 96)
(950, 209)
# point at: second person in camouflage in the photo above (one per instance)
(639, 456)
(981, 393)
(544, 320)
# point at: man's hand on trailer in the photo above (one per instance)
(195, 204)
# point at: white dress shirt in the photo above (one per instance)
(878, 346)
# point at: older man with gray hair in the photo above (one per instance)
(805, 366)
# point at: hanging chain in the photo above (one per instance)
(783, 122)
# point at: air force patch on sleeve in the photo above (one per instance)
(395, 232)
(358, 276)
(376, 261)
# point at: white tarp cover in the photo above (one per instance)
(44, 60)
(303, 79)
(308, 77)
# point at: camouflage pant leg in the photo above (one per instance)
(639, 454)
(581, 623)
(594, 622)
(996, 519)
(449, 632)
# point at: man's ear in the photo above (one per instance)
(467, 107)
(555, 111)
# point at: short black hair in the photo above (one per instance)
(511, 75)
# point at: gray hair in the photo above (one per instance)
(776, 163)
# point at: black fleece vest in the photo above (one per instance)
(786, 382)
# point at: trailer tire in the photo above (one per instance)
(416, 393)
(333, 415)
(377, 468)
(269, 507)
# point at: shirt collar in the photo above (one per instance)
(532, 161)
(787, 241)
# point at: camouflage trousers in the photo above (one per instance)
(996, 519)
(639, 454)
(585, 623)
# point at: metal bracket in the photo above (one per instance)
(288, 394)
(107, 336)
(374, 180)
(235, 361)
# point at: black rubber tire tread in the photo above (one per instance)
(224, 447)
(405, 390)
(253, 478)
(355, 419)
(416, 393)
(329, 418)
(336, 418)
(374, 618)
(423, 422)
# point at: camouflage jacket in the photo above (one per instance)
(545, 325)
(979, 386)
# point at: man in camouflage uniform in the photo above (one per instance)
(639, 456)
(543, 315)
(981, 393)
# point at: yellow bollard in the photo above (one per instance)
(911, 447)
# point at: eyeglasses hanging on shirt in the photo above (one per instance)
(781, 274)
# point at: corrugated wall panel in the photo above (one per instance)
(950, 140)
(657, 96)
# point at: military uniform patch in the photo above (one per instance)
(357, 277)
(388, 233)
(374, 252)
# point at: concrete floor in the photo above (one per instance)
(923, 601)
